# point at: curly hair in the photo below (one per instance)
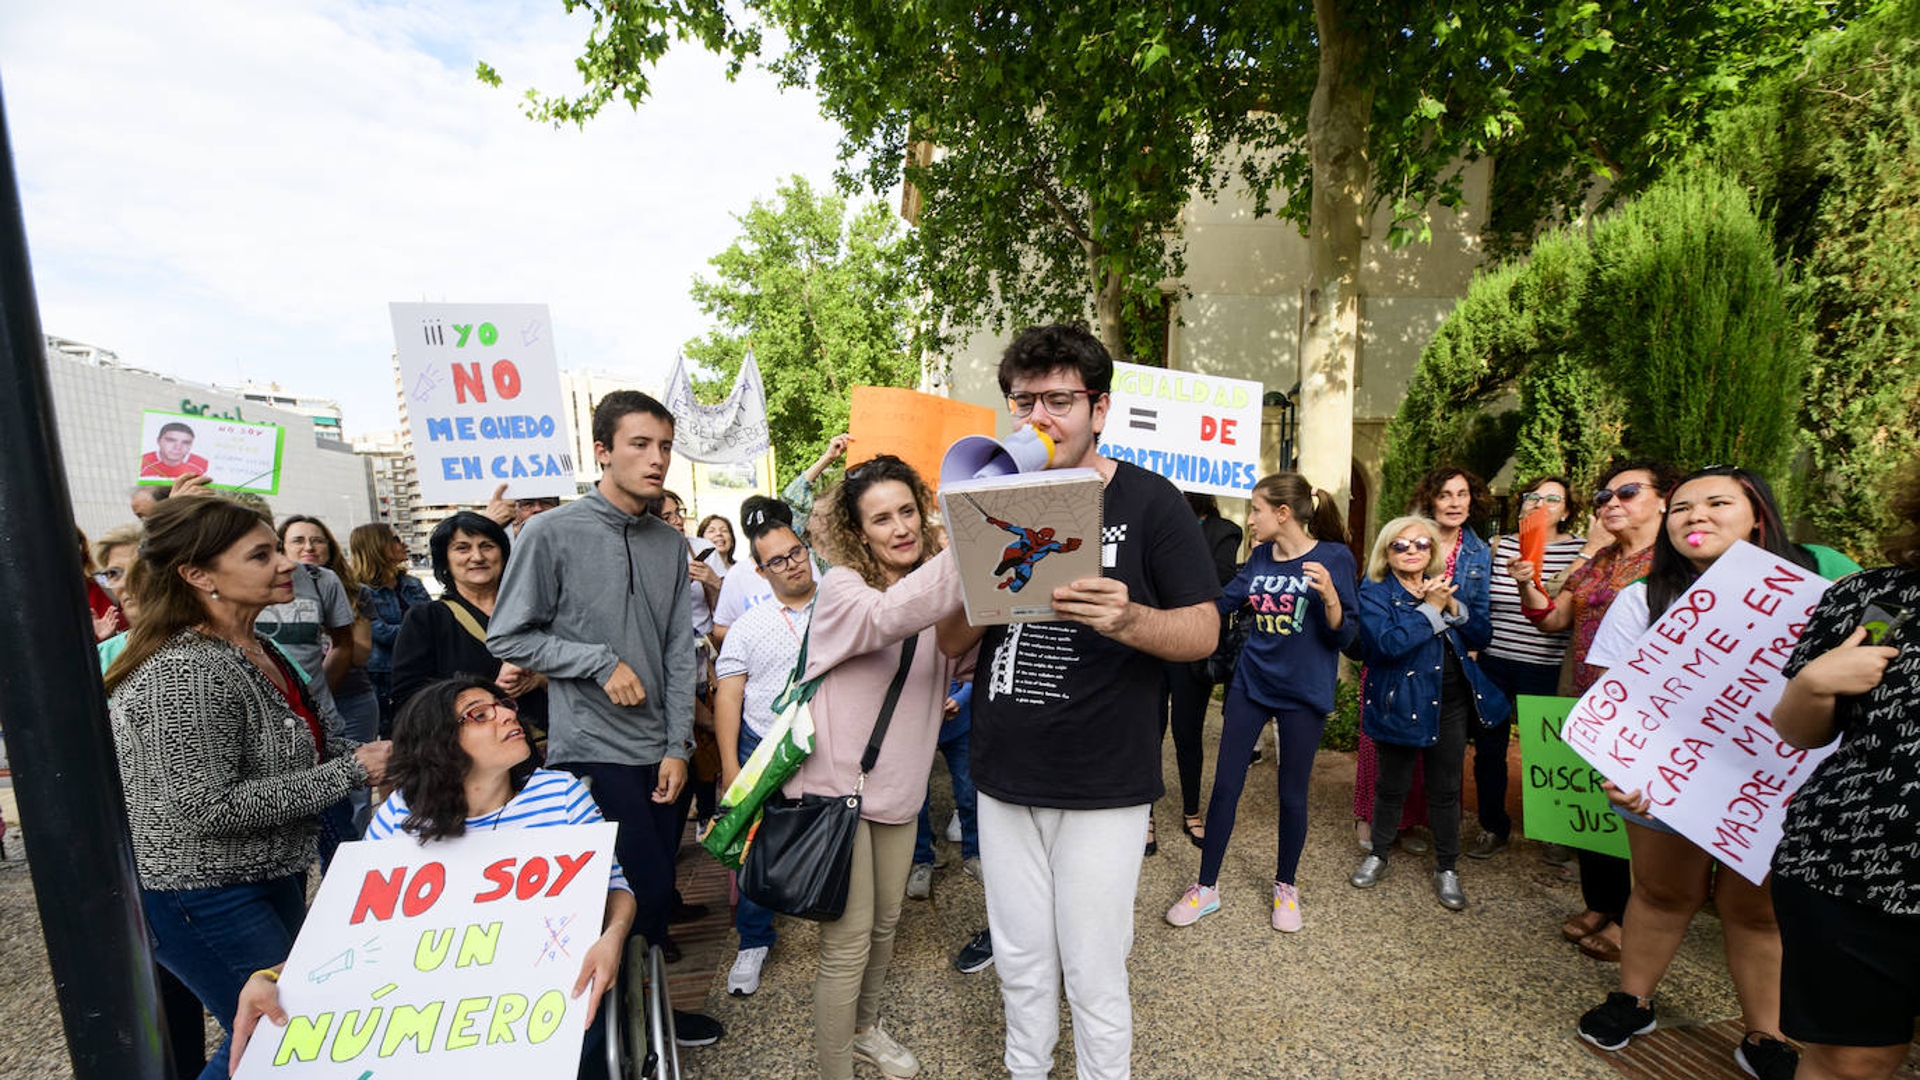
(847, 541)
(429, 766)
(1039, 351)
(1420, 503)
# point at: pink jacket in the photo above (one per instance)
(854, 640)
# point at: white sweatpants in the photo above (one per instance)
(1060, 887)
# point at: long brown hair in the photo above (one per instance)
(336, 558)
(1312, 507)
(372, 563)
(847, 542)
(180, 533)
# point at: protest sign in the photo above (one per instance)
(452, 958)
(1684, 718)
(734, 430)
(1560, 796)
(483, 400)
(232, 455)
(917, 428)
(1200, 431)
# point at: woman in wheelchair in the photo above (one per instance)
(461, 762)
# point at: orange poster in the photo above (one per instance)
(915, 427)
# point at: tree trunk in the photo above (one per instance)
(1337, 128)
(1106, 312)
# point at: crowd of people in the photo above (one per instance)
(273, 694)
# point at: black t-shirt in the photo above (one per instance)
(1066, 717)
(1853, 829)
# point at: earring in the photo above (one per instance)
(216, 594)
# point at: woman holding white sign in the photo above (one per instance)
(1707, 513)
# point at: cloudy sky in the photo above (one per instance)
(220, 189)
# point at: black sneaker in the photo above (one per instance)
(1765, 1057)
(976, 955)
(1609, 1026)
(683, 912)
(696, 1029)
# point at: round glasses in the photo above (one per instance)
(1535, 497)
(1056, 402)
(780, 564)
(488, 711)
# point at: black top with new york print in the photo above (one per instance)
(1853, 830)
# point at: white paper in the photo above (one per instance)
(1200, 431)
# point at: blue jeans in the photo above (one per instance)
(955, 736)
(362, 715)
(755, 923)
(214, 939)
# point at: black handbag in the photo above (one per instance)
(1235, 628)
(801, 856)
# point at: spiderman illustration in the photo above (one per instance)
(1022, 554)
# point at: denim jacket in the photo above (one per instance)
(385, 608)
(1406, 642)
(1473, 575)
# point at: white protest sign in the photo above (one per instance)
(734, 430)
(483, 401)
(231, 454)
(1200, 431)
(1685, 718)
(451, 958)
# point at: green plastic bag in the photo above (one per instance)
(772, 763)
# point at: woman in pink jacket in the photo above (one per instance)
(887, 587)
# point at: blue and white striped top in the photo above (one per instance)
(550, 798)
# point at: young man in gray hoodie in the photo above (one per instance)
(595, 598)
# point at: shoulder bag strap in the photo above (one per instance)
(466, 620)
(886, 710)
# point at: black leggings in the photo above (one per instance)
(1296, 738)
(1188, 692)
(1444, 760)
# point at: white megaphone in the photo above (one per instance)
(977, 456)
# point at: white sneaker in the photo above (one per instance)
(877, 1048)
(920, 881)
(972, 867)
(953, 828)
(744, 977)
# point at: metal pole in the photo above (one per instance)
(64, 772)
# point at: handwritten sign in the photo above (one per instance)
(483, 399)
(231, 454)
(452, 958)
(917, 428)
(1200, 431)
(734, 430)
(1684, 718)
(1560, 794)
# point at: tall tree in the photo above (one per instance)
(826, 302)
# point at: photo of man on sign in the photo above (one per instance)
(172, 456)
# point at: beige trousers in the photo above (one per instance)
(856, 948)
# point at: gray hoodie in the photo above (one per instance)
(589, 586)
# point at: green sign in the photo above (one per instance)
(1560, 793)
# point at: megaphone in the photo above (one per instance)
(976, 456)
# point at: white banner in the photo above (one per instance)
(1685, 718)
(231, 454)
(1200, 431)
(734, 430)
(453, 958)
(483, 401)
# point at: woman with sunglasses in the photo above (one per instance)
(461, 764)
(1627, 512)
(1424, 692)
(1707, 513)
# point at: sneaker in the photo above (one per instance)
(1611, 1024)
(953, 828)
(972, 868)
(877, 1048)
(1369, 872)
(1197, 902)
(1286, 908)
(696, 1029)
(1486, 846)
(1766, 1058)
(920, 881)
(1446, 886)
(683, 912)
(1556, 854)
(744, 977)
(975, 955)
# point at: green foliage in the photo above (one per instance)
(1343, 726)
(825, 301)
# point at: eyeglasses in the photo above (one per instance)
(1536, 497)
(1057, 402)
(488, 711)
(1625, 493)
(780, 564)
(1401, 547)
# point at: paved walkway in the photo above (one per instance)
(1380, 985)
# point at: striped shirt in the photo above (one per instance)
(1514, 638)
(550, 798)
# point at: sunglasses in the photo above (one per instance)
(1625, 493)
(488, 711)
(1401, 547)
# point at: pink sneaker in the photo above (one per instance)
(1286, 908)
(1197, 901)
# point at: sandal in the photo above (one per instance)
(1602, 946)
(1195, 826)
(1153, 846)
(1579, 927)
